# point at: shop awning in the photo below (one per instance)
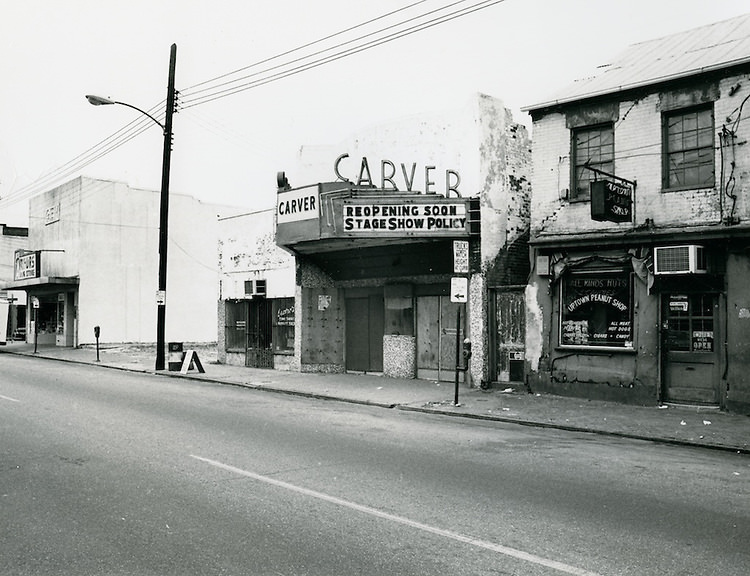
(42, 282)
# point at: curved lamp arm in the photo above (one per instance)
(102, 101)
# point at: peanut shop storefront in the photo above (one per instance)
(374, 272)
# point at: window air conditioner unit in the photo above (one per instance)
(690, 259)
(255, 288)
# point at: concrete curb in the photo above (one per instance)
(582, 429)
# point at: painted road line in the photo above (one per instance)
(8, 398)
(500, 549)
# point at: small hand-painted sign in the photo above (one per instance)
(611, 201)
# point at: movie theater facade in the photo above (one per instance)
(374, 269)
(401, 242)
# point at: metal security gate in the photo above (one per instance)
(259, 352)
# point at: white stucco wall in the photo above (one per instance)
(109, 237)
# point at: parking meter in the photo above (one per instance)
(467, 350)
(96, 335)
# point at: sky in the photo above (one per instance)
(230, 139)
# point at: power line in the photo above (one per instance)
(141, 124)
(303, 46)
(102, 148)
(189, 100)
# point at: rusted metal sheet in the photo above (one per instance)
(510, 335)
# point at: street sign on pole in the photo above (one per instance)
(459, 289)
(460, 256)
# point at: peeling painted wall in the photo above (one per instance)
(535, 346)
(247, 251)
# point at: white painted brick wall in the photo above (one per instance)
(638, 148)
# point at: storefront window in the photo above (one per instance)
(283, 325)
(47, 318)
(596, 310)
(235, 325)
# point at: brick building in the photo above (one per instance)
(640, 226)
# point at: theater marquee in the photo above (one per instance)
(330, 211)
(422, 218)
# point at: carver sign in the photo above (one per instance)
(391, 178)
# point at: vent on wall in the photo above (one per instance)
(256, 288)
(689, 259)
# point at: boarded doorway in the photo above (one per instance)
(436, 338)
(364, 333)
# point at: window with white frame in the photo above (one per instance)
(594, 147)
(688, 144)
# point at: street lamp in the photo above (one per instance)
(161, 300)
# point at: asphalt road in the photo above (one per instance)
(104, 472)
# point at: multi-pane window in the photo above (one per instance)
(593, 147)
(690, 322)
(689, 148)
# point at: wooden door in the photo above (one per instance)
(509, 336)
(689, 348)
(436, 337)
(365, 323)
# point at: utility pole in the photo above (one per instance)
(161, 307)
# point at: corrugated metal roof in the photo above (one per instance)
(703, 49)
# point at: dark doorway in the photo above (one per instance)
(364, 333)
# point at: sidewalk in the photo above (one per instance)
(691, 426)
